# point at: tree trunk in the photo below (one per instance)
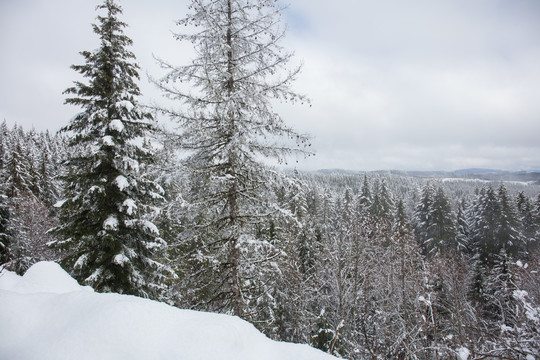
(233, 191)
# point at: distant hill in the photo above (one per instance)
(474, 173)
(484, 174)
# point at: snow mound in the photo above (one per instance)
(44, 315)
(44, 276)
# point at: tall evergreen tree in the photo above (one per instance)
(49, 188)
(508, 236)
(443, 226)
(5, 236)
(422, 216)
(365, 193)
(462, 227)
(382, 205)
(486, 218)
(228, 125)
(536, 217)
(108, 241)
(526, 221)
(407, 270)
(4, 138)
(18, 176)
(500, 284)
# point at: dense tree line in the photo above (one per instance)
(374, 266)
(426, 280)
(30, 170)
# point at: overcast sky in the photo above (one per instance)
(408, 85)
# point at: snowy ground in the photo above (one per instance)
(45, 315)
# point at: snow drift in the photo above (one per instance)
(46, 314)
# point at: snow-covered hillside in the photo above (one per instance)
(45, 314)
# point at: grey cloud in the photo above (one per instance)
(420, 84)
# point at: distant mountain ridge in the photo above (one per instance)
(472, 173)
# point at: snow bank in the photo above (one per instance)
(46, 315)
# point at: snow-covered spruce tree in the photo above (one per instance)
(48, 183)
(525, 219)
(228, 126)
(422, 217)
(382, 206)
(462, 227)
(443, 226)
(5, 236)
(107, 240)
(18, 180)
(508, 235)
(536, 219)
(485, 222)
(407, 273)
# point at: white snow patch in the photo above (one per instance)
(532, 313)
(464, 180)
(149, 226)
(424, 300)
(111, 223)
(130, 164)
(121, 259)
(59, 203)
(121, 182)
(129, 206)
(95, 188)
(159, 243)
(81, 261)
(463, 353)
(95, 276)
(107, 140)
(126, 104)
(520, 295)
(116, 125)
(523, 183)
(42, 323)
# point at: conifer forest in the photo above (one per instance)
(374, 265)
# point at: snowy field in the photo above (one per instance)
(46, 315)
